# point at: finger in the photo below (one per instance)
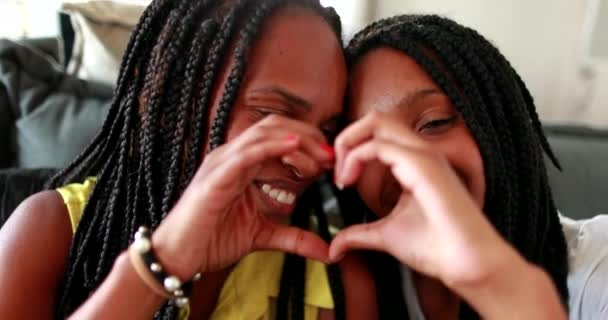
(367, 236)
(355, 161)
(408, 164)
(374, 125)
(321, 151)
(301, 165)
(356, 133)
(281, 123)
(239, 164)
(426, 175)
(312, 140)
(292, 240)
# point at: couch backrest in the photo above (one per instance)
(581, 189)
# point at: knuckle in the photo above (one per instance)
(339, 141)
(272, 120)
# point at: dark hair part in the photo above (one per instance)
(152, 140)
(501, 115)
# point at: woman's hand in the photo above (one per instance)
(216, 222)
(436, 227)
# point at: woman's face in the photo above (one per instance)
(388, 81)
(296, 69)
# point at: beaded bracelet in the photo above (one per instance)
(152, 273)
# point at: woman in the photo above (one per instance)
(225, 106)
(447, 150)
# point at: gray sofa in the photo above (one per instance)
(581, 188)
(48, 117)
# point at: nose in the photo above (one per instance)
(302, 167)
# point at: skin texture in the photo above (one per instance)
(223, 215)
(414, 162)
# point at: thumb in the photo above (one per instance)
(362, 236)
(292, 240)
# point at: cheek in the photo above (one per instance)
(478, 189)
(239, 121)
(370, 186)
(468, 164)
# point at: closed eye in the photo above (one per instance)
(262, 112)
(438, 125)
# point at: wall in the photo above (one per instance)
(542, 39)
(29, 18)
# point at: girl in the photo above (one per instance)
(447, 150)
(219, 125)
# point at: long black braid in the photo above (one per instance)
(500, 112)
(151, 142)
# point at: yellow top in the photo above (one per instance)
(251, 289)
(75, 197)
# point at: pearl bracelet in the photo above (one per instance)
(152, 273)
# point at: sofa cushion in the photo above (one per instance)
(581, 189)
(102, 29)
(18, 184)
(52, 116)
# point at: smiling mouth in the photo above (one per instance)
(279, 195)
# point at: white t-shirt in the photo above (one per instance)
(587, 279)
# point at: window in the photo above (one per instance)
(29, 18)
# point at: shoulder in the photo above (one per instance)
(588, 261)
(42, 222)
(37, 236)
(41, 211)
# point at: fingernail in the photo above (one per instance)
(337, 183)
(329, 149)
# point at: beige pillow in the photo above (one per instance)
(101, 34)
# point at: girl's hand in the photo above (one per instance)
(436, 227)
(216, 221)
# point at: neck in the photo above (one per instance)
(436, 300)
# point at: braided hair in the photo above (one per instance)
(500, 112)
(152, 140)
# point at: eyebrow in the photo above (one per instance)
(290, 98)
(413, 97)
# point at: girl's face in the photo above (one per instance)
(388, 81)
(296, 69)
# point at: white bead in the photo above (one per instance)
(142, 245)
(142, 229)
(198, 276)
(172, 283)
(155, 267)
(178, 293)
(182, 302)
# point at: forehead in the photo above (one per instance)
(383, 77)
(298, 51)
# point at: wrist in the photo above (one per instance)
(514, 289)
(175, 253)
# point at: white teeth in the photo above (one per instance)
(282, 196)
(290, 198)
(274, 193)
